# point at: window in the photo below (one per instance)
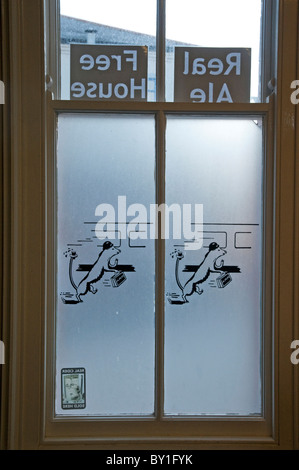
(147, 348)
(134, 332)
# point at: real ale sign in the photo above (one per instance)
(212, 75)
(108, 73)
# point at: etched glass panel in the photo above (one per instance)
(105, 322)
(213, 276)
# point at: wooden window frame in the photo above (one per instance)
(27, 318)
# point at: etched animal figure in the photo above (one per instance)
(207, 266)
(102, 264)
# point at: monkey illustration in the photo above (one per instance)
(102, 264)
(207, 266)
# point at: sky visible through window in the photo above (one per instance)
(236, 22)
(207, 23)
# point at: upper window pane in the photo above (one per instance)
(116, 59)
(213, 50)
(230, 24)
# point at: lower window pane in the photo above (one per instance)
(213, 284)
(105, 325)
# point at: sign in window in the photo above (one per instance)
(213, 75)
(113, 73)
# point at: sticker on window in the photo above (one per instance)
(73, 391)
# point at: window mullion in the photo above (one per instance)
(160, 265)
(160, 47)
(160, 199)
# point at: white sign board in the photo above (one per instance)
(212, 75)
(108, 73)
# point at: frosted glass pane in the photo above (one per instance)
(105, 324)
(213, 312)
(214, 24)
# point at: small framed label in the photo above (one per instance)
(73, 388)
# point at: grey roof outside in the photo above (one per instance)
(75, 31)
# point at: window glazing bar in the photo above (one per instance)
(160, 59)
(160, 267)
(167, 107)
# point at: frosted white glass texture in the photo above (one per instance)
(213, 339)
(111, 332)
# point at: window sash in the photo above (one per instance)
(268, 51)
(105, 430)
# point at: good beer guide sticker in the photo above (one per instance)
(73, 391)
